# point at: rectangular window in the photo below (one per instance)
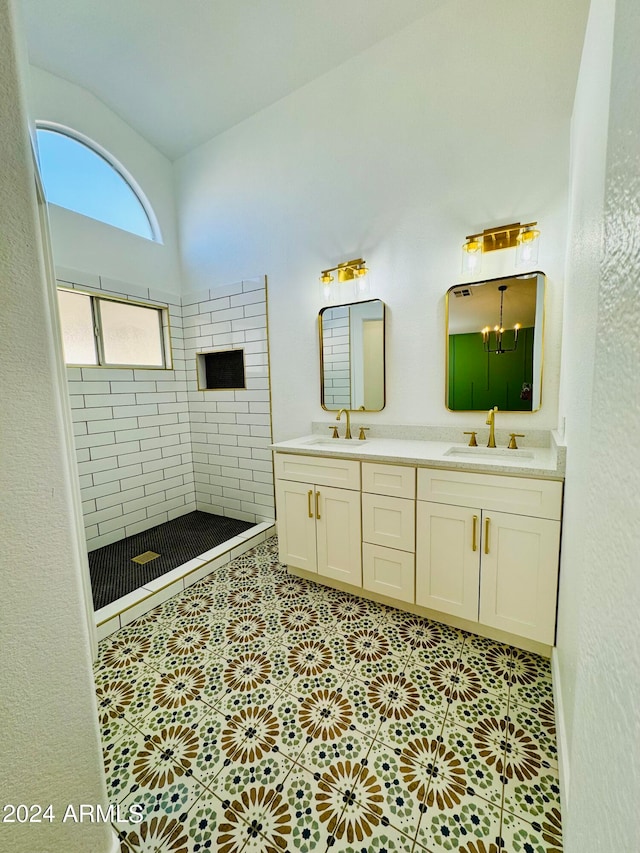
(106, 332)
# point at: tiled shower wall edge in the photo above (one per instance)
(231, 429)
(124, 610)
(132, 432)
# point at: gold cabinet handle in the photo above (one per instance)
(486, 535)
(318, 505)
(309, 493)
(475, 532)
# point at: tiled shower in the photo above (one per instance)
(150, 446)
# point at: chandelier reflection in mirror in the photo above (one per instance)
(498, 331)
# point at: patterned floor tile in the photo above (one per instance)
(263, 820)
(396, 732)
(119, 755)
(490, 661)
(532, 798)
(185, 641)
(308, 657)
(468, 826)
(125, 648)
(477, 751)
(365, 717)
(428, 640)
(539, 836)
(470, 709)
(403, 786)
(258, 711)
(350, 745)
(215, 686)
(292, 737)
(266, 769)
(328, 679)
(159, 832)
(233, 701)
(432, 694)
(539, 724)
(370, 670)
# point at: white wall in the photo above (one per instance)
(394, 156)
(50, 750)
(589, 135)
(598, 639)
(84, 244)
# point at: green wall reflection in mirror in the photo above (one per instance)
(493, 369)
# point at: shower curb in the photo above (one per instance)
(124, 610)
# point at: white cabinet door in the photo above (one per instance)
(448, 559)
(520, 575)
(296, 524)
(339, 534)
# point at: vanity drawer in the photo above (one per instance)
(517, 495)
(389, 572)
(390, 522)
(394, 480)
(320, 470)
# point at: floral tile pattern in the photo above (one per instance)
(258, 712)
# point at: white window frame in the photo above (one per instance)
(164, 326)
(126, 176)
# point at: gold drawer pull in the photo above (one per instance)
(310, 492)
(475, 532)
(318, 505)
(486, 535)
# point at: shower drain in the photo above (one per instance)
(141, 559)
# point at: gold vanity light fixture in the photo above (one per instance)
(524, 238)
(354, 270)
(498, 331)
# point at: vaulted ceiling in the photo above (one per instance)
(181, 71)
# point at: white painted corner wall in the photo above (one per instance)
(51, 751)
(598, 654)
(386, 157)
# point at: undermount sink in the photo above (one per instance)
(336, 443)
(485, 453)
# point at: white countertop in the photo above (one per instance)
(540, 462)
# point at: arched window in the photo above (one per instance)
(80, 175)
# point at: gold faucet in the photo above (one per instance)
(491, 420)
(346, 411)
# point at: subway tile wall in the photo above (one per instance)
(136, 430)
(231, 429)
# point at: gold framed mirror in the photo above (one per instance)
(352, 361)
(494, 338)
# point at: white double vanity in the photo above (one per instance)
(466, 536)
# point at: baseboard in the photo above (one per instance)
(561, 734)
(115, 844)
